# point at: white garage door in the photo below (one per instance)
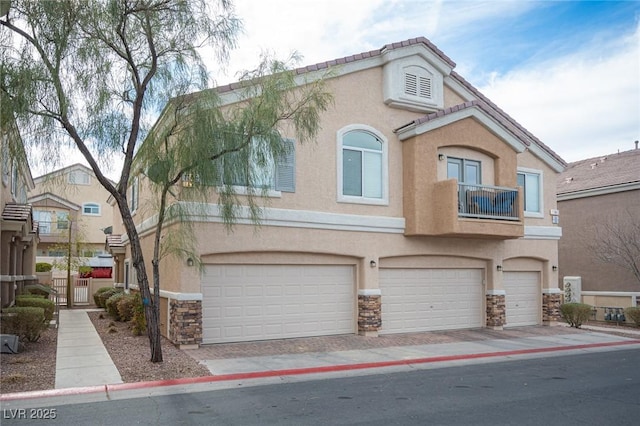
(523, 298)
(260, 302)
(431, 299)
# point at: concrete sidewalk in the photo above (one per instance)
(81, 358)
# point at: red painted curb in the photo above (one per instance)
(296, 371)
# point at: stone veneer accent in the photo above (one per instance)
(551, 307)
(496, 310)
(185, 322)
(369, 313)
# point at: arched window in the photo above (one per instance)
(362, 165)
(91, 209)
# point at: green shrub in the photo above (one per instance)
(97, 294)
(43, 267)
(139, 321)
(112, 305)
(37, 290)
(101, 300)
(633, 314)
(126, 307)
(575, 313)
(27, 322)
(38, 302)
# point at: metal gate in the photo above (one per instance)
(80, 289)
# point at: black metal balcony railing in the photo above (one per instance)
(487, 202)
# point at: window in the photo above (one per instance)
(267, 172)
(44, 221)
(92, 209)
(6, 161)
(531, 182)
(14, 180)
(362, 166)
(78, 177)
(62, 220)
(133, 202)
(466, 171)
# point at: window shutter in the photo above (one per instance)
(286, 168)
(411, 84)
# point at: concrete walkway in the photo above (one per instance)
(81, 359)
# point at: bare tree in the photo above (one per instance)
(617, 242)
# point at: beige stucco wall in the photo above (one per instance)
(413, 161)
(90, 226)
(579, 218)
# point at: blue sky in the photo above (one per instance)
(568, 71)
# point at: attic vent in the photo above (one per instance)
(415, 85)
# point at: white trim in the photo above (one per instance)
(92, 204)
(49, 196)
(245, 190)
(551, 291)
(533, 147)
(384, 200)
(542, 232)
(611, 293)
(369, 292)
(540, 174)
(487, 121)
(594, 192)
(210, 213)
(180, 296)
(496, 293)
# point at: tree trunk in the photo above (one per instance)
(151, 304)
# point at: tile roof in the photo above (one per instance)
(506, 116)
(14, 211)
(600, 172)
(114, 241)
(355, 58)
(19, 213)
(498, 114)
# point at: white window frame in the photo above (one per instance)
(91, 204)
(384, 200)
(539, 175)
(135, 194)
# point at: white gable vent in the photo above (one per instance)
(412, 83)
(415, 85)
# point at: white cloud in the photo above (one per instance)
(583, 105)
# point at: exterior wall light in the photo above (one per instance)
(189, 262)
(499, 268)
(554, 267)
(441, 157)
(373, 264)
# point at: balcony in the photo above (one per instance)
(449, 209)
(488, 202)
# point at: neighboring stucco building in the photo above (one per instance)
(18, 232)
(70, 200)
(593, 195)
(421, 206)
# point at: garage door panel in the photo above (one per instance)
(523, 298)
(430, 299)
(255, 302)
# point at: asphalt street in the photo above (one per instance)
(600, 388)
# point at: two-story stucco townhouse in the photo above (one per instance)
(70, 203)
(421, 206)
(18, 231)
